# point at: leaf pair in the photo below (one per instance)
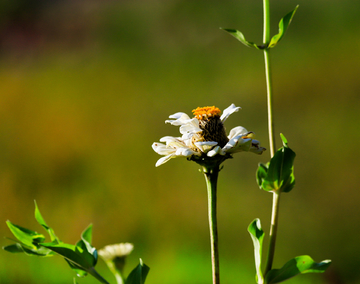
(298, 265)
(278, 174)
(283, 25)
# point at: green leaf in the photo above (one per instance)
(14, 248)
(283, 25)
(90, 253)
(42, 222)
(257, 236)
(72, 253)
(27, 237)
(138, 275)
(279, 173)
(239, 36)
(298, 265)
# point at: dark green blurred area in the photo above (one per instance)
(86, 87)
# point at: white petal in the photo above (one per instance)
(237, 144)
(186, 152)
(163, 160)
(216, 150)
(162, 149)
(237, 131)
(205, 146)
(181, 118)
(230, 110)
(173, 142)
(191, 126)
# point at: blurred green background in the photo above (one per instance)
(86, 87)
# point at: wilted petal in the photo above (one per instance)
(230, 110)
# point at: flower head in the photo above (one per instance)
(204, 137)
(114, 256)
(110, 252)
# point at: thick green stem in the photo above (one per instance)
(273, 230)
(211, 176)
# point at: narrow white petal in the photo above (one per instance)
(237, 131)
(230, 110)
(163, 160)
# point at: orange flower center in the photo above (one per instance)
(204, 113)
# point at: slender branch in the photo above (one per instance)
(211, 176)
(266, 37)
(269, 102)
(276, 195)
(273, 230)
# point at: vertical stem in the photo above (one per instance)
(269, 102)
(276, 195)
(273, 231)
(211, 176)
(266, 37)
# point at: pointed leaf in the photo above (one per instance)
(14, 248)
(298, 265)
(283, 25)
(257, 236)
(27, 237)
(42, 222)
(138, 275)
(239, 36)
(90, 253)
(72, 253)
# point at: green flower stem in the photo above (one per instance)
(269, 102)
(266, 5)
(115, 272)
(273, 231)
(276, 195)
(211, 176)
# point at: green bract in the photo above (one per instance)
(278, 174)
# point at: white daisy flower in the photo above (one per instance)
(204, 137)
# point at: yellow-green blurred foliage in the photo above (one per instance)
(86, 87)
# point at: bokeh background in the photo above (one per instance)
(86, 87)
